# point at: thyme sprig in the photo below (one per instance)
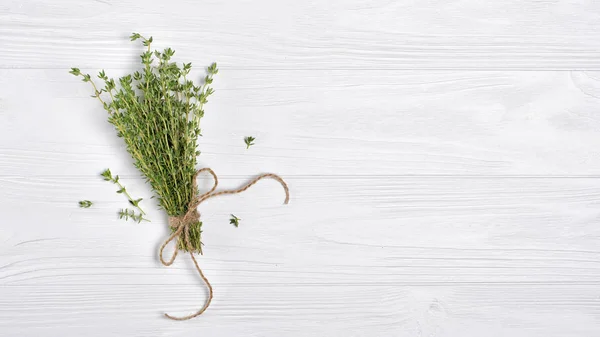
(130, 214)
(249, 141)
(107, 175)
(234, 220)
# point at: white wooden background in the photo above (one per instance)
(443, 158)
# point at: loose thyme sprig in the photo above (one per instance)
(130, 214)
(115, 180)
(157, 111)
(234, 220)
(249, 141)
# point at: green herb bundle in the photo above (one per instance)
(157, 112)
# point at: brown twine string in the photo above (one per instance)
(182, 225)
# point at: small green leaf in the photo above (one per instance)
(234, 220)
(107, 175)
(75, 71)
(212, 69)
(85, 204)
(249, 141)
(135, 202)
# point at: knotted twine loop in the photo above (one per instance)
(181, 224)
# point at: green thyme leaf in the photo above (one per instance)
(234, 220)
(249, 141)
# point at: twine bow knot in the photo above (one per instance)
(181, 224)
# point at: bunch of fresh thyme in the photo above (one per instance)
(157, 112)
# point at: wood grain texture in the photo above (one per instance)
(303, 35)
(393, 255)
(443, 159)
(330, 123)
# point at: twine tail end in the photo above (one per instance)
(177, 318)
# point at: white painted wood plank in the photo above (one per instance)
(428, 199)
(395, 256)
(328, 123)
(273, 35)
